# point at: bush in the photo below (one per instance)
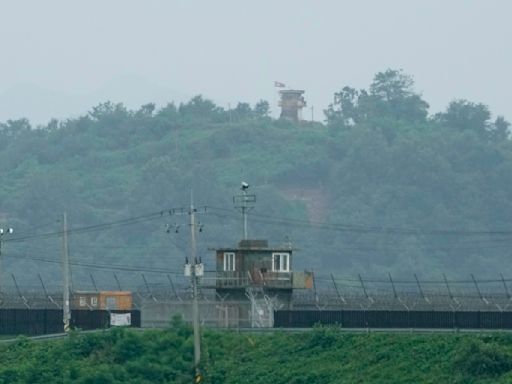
(130, 347)
(323, 337)
(477, 358)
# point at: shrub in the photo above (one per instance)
(323, 337)
(476, 358)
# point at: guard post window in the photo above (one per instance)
(280, 262)
(229, 261)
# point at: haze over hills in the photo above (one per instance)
(383, 186)
(40, 104)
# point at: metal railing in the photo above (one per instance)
(235, 279)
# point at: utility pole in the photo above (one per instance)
(242, 201)
(65, 276)
(195, 304)
(244, 211)
(194, 269)
(2, 233)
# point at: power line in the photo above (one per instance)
(362, 228)
(269, 219)
(127, 268)
(470, 240)
(461, 245)
(96, 227)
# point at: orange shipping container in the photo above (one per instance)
(116, 300)
(111, 300)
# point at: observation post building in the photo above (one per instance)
(253, 265)
(291, 103)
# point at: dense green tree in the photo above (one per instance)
(501, 129)
(147, 109)
(344, 111)
(390, 99)
(201, 109)
(262, 109)
(243, 111)
(466, 116)
(392, 94)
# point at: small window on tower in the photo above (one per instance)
(280, 262)
(229, 261)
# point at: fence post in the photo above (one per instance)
(47, 294)
(362, 286)
(93, 282)
(392, 285)
(420, 289)
(505, 286)
(314, 285)
(478, 290)
(148, 289)
(172, 287)
(337, 291)
(23, 298)
(117, 282)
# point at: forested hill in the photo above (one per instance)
(381, 186)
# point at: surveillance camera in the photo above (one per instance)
(245, 185)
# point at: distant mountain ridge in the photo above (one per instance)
(40, 104)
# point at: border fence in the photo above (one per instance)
(357, 302)
(45, 321)
(394, 319)
(329, 291)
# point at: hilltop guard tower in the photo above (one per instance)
(291, 103)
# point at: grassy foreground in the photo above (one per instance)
(324, 355)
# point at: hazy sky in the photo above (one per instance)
(60, 57)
